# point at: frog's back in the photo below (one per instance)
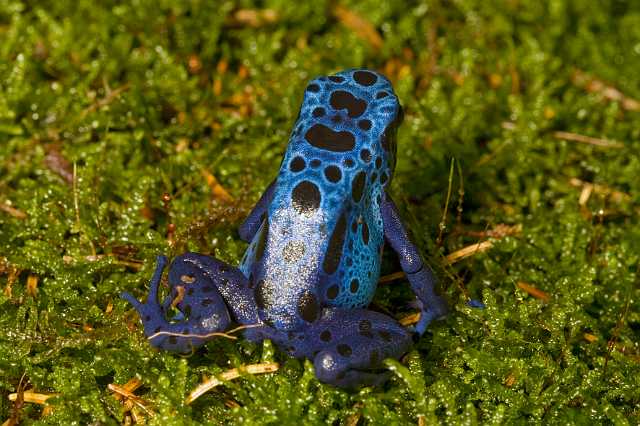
(321, 241)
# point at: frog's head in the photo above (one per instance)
(354, 114)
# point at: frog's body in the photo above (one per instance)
(316, 236)
(321, 240)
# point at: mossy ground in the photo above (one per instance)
(105, 107)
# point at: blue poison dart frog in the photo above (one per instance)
(316, 240)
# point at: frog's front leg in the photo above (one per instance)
(419, 275)
(207, 295)
(252, 223)
(347, 346)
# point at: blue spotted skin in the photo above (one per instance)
(316, 239)
(337, 186)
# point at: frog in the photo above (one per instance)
(316, 239)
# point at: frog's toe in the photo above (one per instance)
(435, 310)
(474, 303)
(131, 299)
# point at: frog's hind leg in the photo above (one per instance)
(347, 346)
(206, 295)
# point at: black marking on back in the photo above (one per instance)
(341, 99)
(365, 78)
(332, 292)
(365, 233)
(297, 164)
(325, 138)
(334, 249)
(357, 186)
(333, 174)
(306, 198)
(364, 124)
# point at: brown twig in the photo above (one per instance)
(391, 277)
(593, 85)
(450, 259)
(32, 397)
(218, 191)
(230, 403)
(32, 285)
(615, 195)
(128, 395)
(234, 373)
(18, 399)
(410, 319)
(590, 337)
(499, 231)
(131, 386)
(12, 276)
(533, 291)
(12, 211)
(575, 137)
(465, 252)
(254, 18)
(359, 25)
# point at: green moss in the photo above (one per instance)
(104, 107)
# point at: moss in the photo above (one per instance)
(105, 107)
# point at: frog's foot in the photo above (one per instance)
(347, 346)
(196, 309)
(474, 303)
